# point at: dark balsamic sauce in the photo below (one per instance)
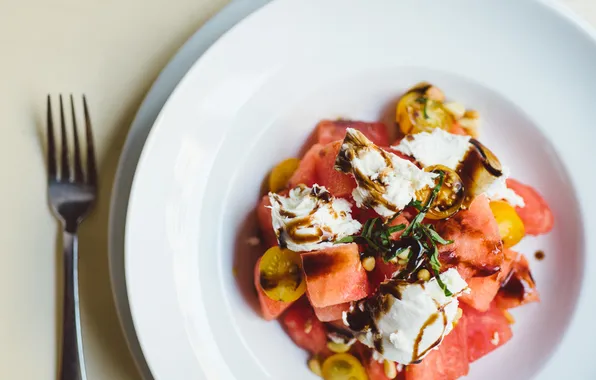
(539, 255)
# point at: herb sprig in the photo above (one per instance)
(421, 239)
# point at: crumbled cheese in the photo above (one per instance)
(435, 148)
(385, 182)
(311, 218)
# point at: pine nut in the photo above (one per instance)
(315, 366)
(338, 348)
(423, 275)
(390, 370)
(369, 263)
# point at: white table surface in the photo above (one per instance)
(112, 50)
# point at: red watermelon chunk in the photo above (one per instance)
(383, 271)
(339, 184)
(484, 289)
(270, 309)
(536, 215)
(307, 170)
(333, 130)
(334, 275)
(331, 313)
(477, 248)
(305, 329)
(449, 362)
(265, 222)
(486, 330)
(363, 214)
(519, 287)
(376, 371)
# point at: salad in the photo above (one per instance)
(395, 259)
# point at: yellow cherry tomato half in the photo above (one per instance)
(511, 227)
(281, 174)
(450, 197)
(417, 111)
(343, 367)
(281, 276)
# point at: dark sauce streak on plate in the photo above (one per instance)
(539, 255)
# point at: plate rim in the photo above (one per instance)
(160, 91)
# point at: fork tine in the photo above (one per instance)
(78, 167)
(91, 167)
(64, 165)
(51, 143)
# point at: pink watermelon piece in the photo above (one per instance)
(307, 170)
(382, 272)
(449, 362)
(484, 289)
(486, 331)
(270, 309)
(331, 313)
(265, 222)
(334, 275)
(338, 183)
(519, 287)
(536, 215)
(477, 250)
(304, 328)
(333, 130)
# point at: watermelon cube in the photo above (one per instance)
(305, 329)
(331, 313)
(449, 362)
(333, 130)
(519, 287)
(307, 170)
(536, 215)
(486, 331)
(334, 275)
(270, 309)
(477, 249)
(484, 289)
(339, 184)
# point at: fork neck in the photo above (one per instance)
(70, 227)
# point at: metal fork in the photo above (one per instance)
(72, 190)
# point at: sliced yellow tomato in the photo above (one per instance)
(281, 275)
(281, 174)
(450, 197)
(511, 227)
(422, 110)
(343, 367)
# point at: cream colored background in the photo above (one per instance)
(112, 50)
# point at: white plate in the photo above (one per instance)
(139, 130)
(252, 99)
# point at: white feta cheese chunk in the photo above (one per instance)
(443, 148)
(498, 190)
(385, 182)
(309, 219)
(407, 328)
(435, 148)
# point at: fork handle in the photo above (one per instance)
(72, 361)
